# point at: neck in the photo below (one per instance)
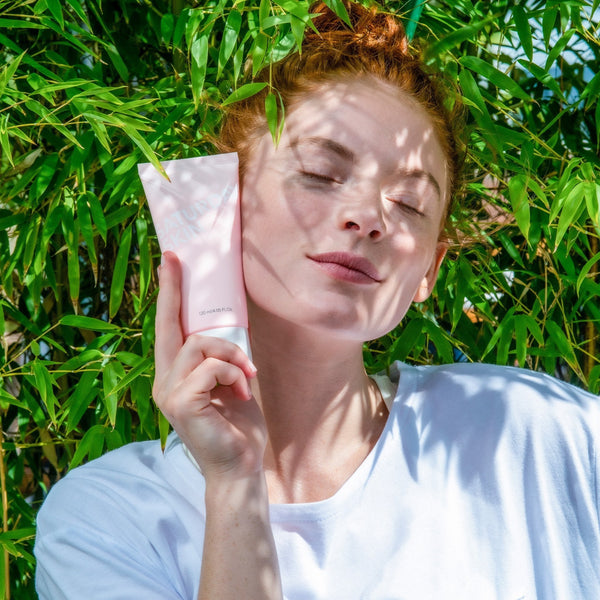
(323, 413)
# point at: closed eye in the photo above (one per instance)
(319, 177)
(407, 205)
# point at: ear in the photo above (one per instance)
(426, 286)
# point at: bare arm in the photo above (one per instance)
(201, 386)
(239, 559)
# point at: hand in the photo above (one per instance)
(201, 386)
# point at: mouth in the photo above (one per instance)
(346, 266)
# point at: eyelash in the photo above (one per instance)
(319, 177)
(327, 180)
(407, 207)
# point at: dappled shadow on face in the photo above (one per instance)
(358, 171)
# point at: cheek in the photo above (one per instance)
(306, 209)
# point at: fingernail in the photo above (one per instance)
(253, 368)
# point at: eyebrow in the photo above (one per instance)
(326, 143)
(347, 154)
(423, 175)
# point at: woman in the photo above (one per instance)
(309, 479)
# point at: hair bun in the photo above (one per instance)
(371, 30)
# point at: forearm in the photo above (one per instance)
(239, 557)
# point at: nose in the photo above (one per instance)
(364, 216)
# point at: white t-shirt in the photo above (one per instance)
(484, 484)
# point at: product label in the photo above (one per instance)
(212, 311)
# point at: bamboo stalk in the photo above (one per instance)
(4, 513)
(591, 336)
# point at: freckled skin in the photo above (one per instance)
(370, 182)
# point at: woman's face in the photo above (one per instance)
(341, 220)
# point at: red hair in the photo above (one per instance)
(376, 45)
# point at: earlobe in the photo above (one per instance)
(428, 281)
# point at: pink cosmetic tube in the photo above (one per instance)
(197, 216)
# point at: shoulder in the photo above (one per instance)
(127, 478)
(495, 397)
(117, 522)
(477, 382)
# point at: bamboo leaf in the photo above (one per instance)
(4, 139)
(147, 151)
(297, 9)
(117, 61)
(163, 429)
(92, 442)
(230, 38)
(592, 90)
(71, 233)
(548, 21)
(97, 125)
(8, 43)
(43, 383)
(44, 176)
(83, 396)
(519, 199)
(243, 92)
(585, 270)
(493, 75)
(90, 323)
(263, 12)
(545, 78)
(180, 25)
(167, 24)
(557, 335)
(56, 10)
(76, 6)
(558, 48)
(442, 345)
(338, 7)
(111, 374)
(141, 228)
(457, 37)
(9, 71)
(298, 27)
(120, 271)
(521, 339)
(31, 246)
(141, 394)
(199, 52)
(506, 330)
(523, 30)
(402, 346)
(84, 220)
(97, 214)
(126, 379)
(510, 247)
(571, 209)
(271, 113)
(258, 52)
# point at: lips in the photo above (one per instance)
(346, 266)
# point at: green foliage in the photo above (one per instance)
(89, 88)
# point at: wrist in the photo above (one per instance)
(233, 491)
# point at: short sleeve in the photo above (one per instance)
(87, 547)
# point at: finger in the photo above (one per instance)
(198, 348)
(195, 351)
(193, 394)
(213, 373)
(169, 337)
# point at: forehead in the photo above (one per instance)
(381, 125)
